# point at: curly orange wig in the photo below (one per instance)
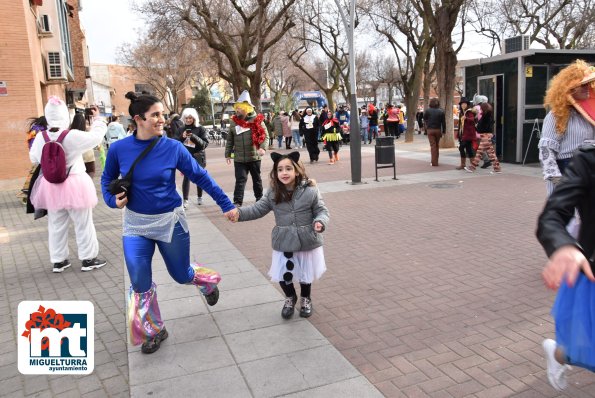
(556, 97)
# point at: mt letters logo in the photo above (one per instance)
(56, 337)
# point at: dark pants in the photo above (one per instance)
(466, 149)
(186, 188)
(241, 171)
(332, 147)
(311, 139)
(391, 128)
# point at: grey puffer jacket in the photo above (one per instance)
(294, 229)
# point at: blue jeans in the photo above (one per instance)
(138, 253)
(373, 132)
(364, 132)
(297, 139)
(279, 140)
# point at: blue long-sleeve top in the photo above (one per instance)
(153, 188)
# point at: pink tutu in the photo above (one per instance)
(77, 192)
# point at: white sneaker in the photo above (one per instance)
(199, 201)
(556, 372)
(185, 204)
(468, 170)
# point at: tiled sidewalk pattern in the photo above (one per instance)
(433, 289)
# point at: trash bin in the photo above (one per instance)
(385, 150)
(385, 154)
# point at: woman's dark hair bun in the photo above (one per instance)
(131, 95)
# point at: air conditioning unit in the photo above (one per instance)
(44, 28)
(55, 64)
(518, 43)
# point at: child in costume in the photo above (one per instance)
(247, 142)
(331, 136)
(300, 218)
(74, 198)
(570, 268)
(154, 216)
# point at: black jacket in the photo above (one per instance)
(485, 124)
(199, 138)
(434, 119)
(575, 190)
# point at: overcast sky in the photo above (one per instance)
(110, 23)
(107, 25)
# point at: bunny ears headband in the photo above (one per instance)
(277, 157)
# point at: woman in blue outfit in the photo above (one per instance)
(154, 216)
(570, 268)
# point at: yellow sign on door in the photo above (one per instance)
(528, 71)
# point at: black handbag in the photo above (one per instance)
(123, 184)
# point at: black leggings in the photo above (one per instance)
(332, 146)
(466, 149)
(289, 290)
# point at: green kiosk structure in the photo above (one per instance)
(515, 84)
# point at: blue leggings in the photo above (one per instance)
(138, 252)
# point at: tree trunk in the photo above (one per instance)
(446, 62)
(427, 82)
(416, 84)
(442, 23)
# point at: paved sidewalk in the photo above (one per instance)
(432, 289)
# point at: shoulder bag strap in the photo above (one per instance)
(142, 155)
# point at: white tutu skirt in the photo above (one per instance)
(308, 266)
(76, 192)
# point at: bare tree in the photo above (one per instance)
(319, 37)
(561, 24)
(167, 65)
(239, 33)
(408, 33)
(368, 82)
(442, 18)
(388, 74)
(282, 77)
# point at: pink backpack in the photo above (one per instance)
(53, 159)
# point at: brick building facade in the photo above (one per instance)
(43, 51)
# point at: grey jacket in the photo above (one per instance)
(294, 220)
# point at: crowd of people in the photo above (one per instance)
(139, 177)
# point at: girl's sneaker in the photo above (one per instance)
(306, 307)
(288, 307)
(556, 372)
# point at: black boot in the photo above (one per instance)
(153, 345)
(213, 297)
(288, 307)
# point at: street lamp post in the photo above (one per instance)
(354, 133)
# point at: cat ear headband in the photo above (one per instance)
(277, 157)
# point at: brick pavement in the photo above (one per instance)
(25, 274)
(431, 291)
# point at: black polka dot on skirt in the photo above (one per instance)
(288, 277)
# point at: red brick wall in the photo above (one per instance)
(77, 40)
(21, 59)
